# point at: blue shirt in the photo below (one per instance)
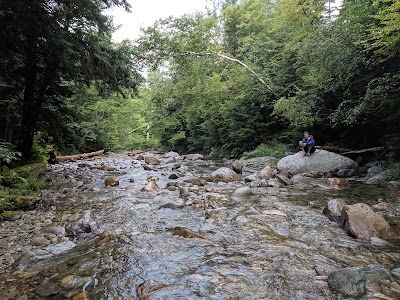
(309, 142)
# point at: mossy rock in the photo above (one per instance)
(15, 202)
(11, 215)
(17, 175)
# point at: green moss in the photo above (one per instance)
(9, 215)
(277, 150)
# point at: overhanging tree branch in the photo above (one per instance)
(224, 56)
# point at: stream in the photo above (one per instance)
(189, 239)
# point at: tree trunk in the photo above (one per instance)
(29, 109)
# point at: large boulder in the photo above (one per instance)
(254, 165)
(320, 161)
(360, 221)
(380, 179)
(225, 175)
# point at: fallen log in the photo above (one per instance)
(78, 156)
(333, 149)
(375, 149)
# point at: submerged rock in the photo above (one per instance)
(186, 233)
(225, 175)
(321, 161)
(333, 208)
(111, 182)
(360, 221)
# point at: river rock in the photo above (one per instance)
(254, 165)
(57, 230)
(148, 167)
(60, 247)
(111, 182)
(284, 179)
(170, 160)
(186, 233)
(396, 273)
(321, 161)
(171, 154)
(395, 184)
(82, 225)
(194, 156)
(360, 221)
(346, 173)
(151, 160)
(380, 178)
(349, 282)
(46, 289)
(333, 208)
(374, 170)
(173, 176)
(267, 173)
(243, 191)
(225, 175)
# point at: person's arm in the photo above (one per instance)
(311, 141)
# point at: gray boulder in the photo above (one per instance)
(82, 225)
(225, 175)
(380, 178)
(254, 165)
(321, 161)
(349, 282)
(243, 191)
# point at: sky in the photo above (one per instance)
(145, 12)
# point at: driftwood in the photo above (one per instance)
(345, 151)
(78, 156)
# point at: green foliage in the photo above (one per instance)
(276, 150)
(393, 172)
(7, 154)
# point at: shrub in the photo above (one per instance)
(278, 150)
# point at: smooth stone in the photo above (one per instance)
(60, 247)
(333, 208)
(47, 288)
(254, 165)
(243, 192)
(224, 175)
(57, 230)
(170, 160)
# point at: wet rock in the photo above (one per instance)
(151, 160)
(267, 173)
(194, 156)
(374, 274)
(75, 281)
(186, 233)
(337, 181)
(225, 175)
(321, 161)
(196, 181)
(250, 178)
(360, 221)
(349, 282)
(82, 225)
(254, 165)
(346, 173)
(140, 157)
(333, 208)
(172, 205)
(151, 185)
(57, 230)
(284, 179)
(378, 179)
(46, 289)
(243, 192)
(60, 247)
(324, 270)
(111, 182)
(395, 184)
(396, 273)
(173, 176)
(148, 168)
(84, 295)
(132, 180)
(108, 168)
(145, 289)
(170, 160)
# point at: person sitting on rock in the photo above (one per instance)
(307, 144)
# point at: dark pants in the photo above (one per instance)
(309, 148)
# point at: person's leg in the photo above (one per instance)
(313, 149)
(308, 149)
(302, 147)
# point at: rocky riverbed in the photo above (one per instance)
(171, 227)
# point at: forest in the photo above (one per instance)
(245, 74)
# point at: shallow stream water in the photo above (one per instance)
(274, 244)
